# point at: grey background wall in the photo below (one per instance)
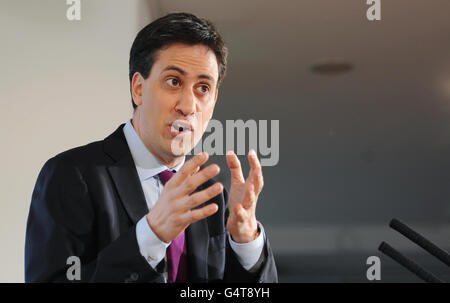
(356, 149)
(62, 84)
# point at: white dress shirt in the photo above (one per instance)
(150, 246)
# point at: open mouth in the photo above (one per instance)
(180, 126)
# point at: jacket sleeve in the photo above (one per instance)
(62, 224)
(264, 271)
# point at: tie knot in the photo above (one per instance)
(165, 176)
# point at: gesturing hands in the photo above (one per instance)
(173, 212)
(244, 194)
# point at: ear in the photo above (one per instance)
(137, 83)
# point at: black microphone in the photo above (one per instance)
(408, 263)
(422, 242)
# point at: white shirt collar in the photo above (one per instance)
(147, 165)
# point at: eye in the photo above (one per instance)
(174, 82)
(203, 89)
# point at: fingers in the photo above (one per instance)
(196, 170)
(194, 181)
(201, 213)
(235, 167)
(189, 168)
(255, 174)
(186, 215)
(202, 196)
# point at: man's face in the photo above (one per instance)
(177, 100)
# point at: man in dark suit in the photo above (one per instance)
(129, 208)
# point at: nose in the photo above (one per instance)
(186, 105)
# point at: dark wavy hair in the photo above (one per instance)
(172, 28)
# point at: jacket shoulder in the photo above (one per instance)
(92, 153)
(81, 154)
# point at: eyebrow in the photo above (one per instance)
(176, 68)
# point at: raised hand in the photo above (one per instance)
(242, 224)
(173, 213)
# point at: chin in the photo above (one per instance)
(179, 147)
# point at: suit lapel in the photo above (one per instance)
(125, 177)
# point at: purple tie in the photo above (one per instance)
(176, 253)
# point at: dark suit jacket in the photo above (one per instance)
(86, 203)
